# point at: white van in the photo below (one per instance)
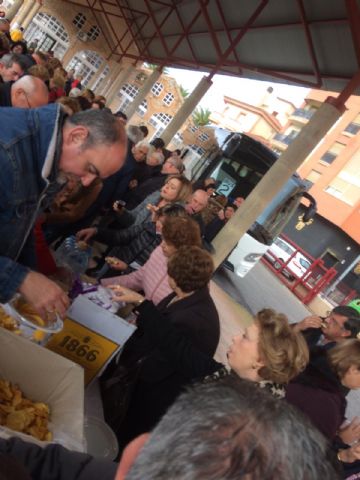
(282, 250)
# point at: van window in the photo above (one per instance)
(284, 246)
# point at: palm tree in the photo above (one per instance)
(201, 116)
(184, 93)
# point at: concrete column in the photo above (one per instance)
(24, 11)
(186, 109)
(13, 10)
(109, 81)
(143, 92)
(97, 74)
(272, 183)
(120, 79)
(70, 52)
(27, 20)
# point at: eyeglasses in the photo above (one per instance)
(331, 317)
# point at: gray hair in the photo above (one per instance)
(232, 429)
(135, 134)
(158, 155)
(103, 127)
(9, 59)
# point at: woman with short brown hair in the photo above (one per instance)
(189, 309)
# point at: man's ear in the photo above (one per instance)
(76, 135)
(346, 333)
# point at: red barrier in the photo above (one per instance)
(310, 283)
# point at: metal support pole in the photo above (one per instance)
(274, 180)
(140, 97)
(186, 109)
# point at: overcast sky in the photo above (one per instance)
(249, 91)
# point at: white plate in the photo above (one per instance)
(100, 439)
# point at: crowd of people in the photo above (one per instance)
(73, 167)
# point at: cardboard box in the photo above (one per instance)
(45, 377)
(91, 336)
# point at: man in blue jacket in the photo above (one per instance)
(37, 148)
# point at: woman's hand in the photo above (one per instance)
(123, 294)
(351, 432)
(116, 263)
(152, 208)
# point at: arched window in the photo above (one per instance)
(160, 121)
(157, 88)
(94, 32)
(49, 32)
(79, 20)
(101, 78)
(85, 63)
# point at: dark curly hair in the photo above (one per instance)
(191, 268)
(180, 231)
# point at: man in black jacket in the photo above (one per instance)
(340, 324)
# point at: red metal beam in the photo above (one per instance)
(93, 9)
(354, 22)
(212, 33)
(239, 36)
(186, 30)
(222, 16)
(152, 16)
(309, 41)
(337, 21)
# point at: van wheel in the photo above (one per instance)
(277, 265)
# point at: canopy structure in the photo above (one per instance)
(313, 43)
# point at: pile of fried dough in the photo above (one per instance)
(8, 322)
(21, 414)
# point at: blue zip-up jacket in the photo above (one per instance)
(28, 147)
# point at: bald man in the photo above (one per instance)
(27, 92)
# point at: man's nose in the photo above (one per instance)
(87, 179)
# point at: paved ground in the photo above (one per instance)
(261, 288)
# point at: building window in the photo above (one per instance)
(193, 128)
(157, 88)
(313, 176)
(196, 148)
(129, 90)
(49, 32)
(168, 99)
(94, 32)
(142, 108)
(86, 64)
(79, 20)
(160, 121)
(203, 137)
(344, 190)
(127, 94)
(354, 126)
(332, 153)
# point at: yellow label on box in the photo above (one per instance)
(83, 346)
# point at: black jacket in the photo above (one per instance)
(161, 381)
(135, 196)
(55, 462)
(5, 94)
